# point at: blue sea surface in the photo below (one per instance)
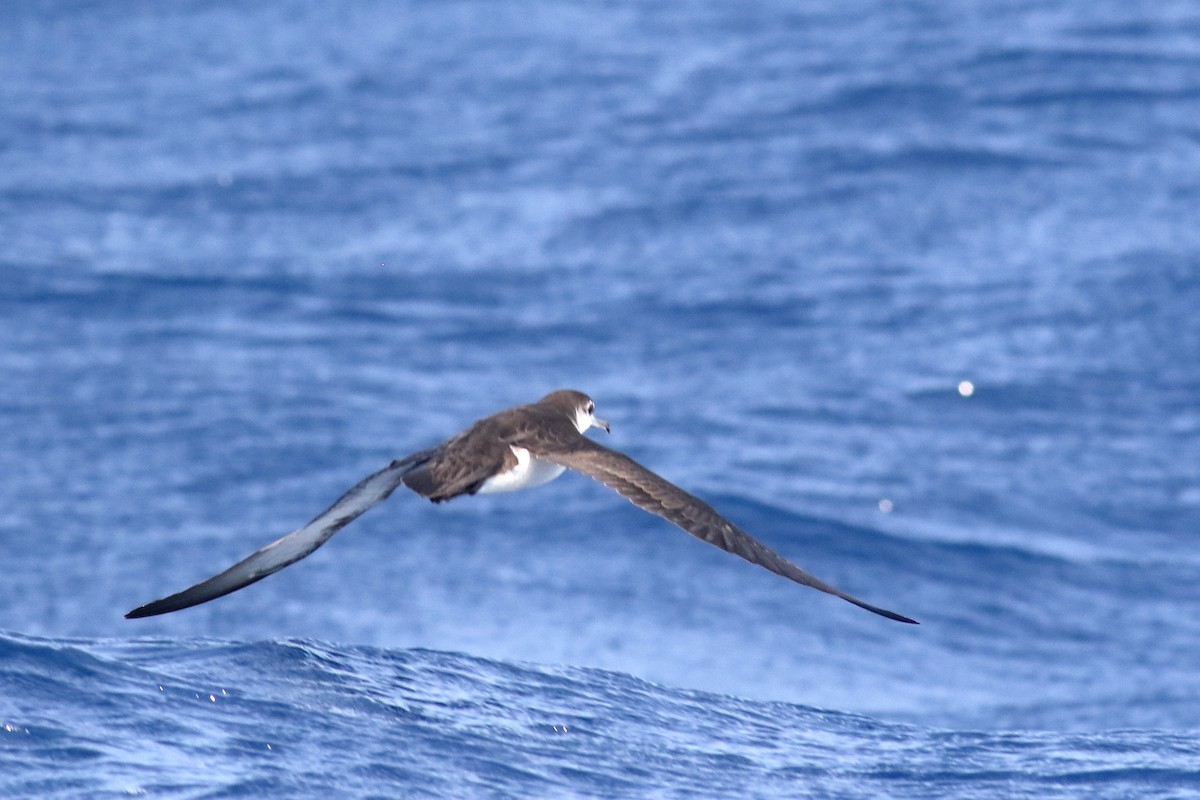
(909, 290)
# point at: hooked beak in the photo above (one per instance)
(600, 423)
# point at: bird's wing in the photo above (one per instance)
(289, 549)
(461, 465)
(657, 495)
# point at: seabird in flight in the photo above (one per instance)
(517, 448)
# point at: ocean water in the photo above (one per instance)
(910, 291)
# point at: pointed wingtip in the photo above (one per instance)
(883, 612)
(148, 610)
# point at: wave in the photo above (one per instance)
(204, 718)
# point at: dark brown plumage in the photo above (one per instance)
(518, 448)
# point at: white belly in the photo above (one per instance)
(528, 473)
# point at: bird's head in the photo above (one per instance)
(578, 406)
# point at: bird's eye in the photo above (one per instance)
(591, 407)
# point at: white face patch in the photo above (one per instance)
(585, 419)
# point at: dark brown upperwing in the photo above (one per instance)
(659, 496)
(461, 464)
